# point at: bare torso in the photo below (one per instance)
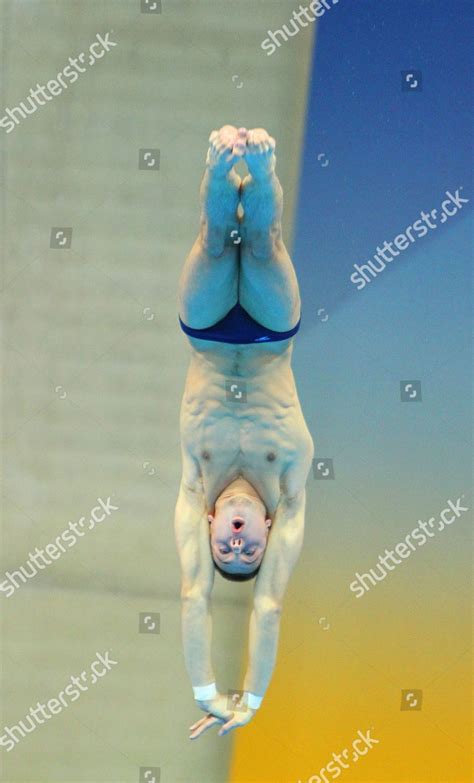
(263, 439)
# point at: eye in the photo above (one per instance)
(251, 551)
(224, 550)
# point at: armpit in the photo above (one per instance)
(193, 487)
(294, 478)
(191, 478)
(293, 501)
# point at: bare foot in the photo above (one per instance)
(227, 146)
(261, 194)
(260, 153)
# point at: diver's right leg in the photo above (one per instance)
(208, 285)
(268, 287)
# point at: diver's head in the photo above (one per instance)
(239, 530)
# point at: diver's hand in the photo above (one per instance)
(202, 725)
(216, 706)
(230, 721)
(217, 713)
(239, 718)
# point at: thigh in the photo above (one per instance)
(208, 285)
(268, 289)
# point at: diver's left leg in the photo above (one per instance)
(268, 288)
(208, 283)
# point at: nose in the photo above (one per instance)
(236, 544)
(237, 541)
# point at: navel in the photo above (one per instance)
(271, 456)
(206, 454)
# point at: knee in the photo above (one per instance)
(267, 245)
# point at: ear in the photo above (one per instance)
(268, 522)
(210, 518)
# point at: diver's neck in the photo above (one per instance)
(240, 486)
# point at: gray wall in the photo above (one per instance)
(94, 362)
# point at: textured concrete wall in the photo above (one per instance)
(94, 361)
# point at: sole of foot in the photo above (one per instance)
(226, 147)
(260, 154)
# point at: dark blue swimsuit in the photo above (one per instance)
(238, 327)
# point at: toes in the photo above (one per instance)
(224, 134)
(227, 135)
(228, 129)
(259, 141)
(226, 146)
(260, 135)
(227, 138)
(239, 145)
(251, 138)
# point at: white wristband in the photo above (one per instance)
(205, 692)
(254, 701)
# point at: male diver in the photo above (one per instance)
(246, 449)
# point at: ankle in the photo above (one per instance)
(224, 179)
(267, 185)
(267, 181)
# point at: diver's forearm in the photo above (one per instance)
(263, 646)
(196, 624)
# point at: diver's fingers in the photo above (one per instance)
(198, 722)
(206, 724)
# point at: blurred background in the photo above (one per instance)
(99, 209)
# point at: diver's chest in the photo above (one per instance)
(246, 442)
(227, 452)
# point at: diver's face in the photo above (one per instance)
(238, 532)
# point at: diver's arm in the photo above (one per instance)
(197, 577)
(283, 549)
